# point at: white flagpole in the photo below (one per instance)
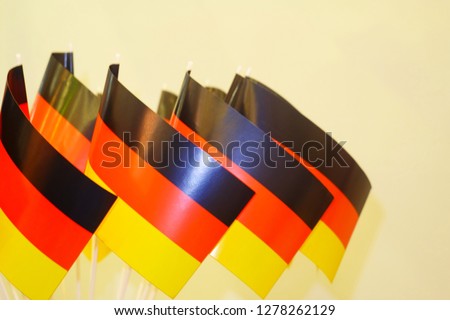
(78, 279)
(64, 289)
(93, 275)
(189, 66)
(140, 291)
(248, 72)
(152, 292)
(3, 287)
(18, 58)
(123, 284)
(146, 291)
(15, 294)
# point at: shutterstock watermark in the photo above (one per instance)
(179, 151)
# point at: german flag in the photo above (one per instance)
(49, 209)
(328, 161)
(175, 202)
(288, 201)
(65, 110)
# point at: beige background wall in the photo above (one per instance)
(374, 73)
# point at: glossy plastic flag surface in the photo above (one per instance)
(49, 209)
(168, 100)
(171, 212)
(65, 110)
(166, 104)
(328, 161)
(288, 201)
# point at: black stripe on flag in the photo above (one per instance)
(214, 120)
(165, 149)
(62, 184)
(63, 91)
(272, 113)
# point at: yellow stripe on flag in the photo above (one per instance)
(249, 258)
(27, 268)
(146, 249)
(325, 249)
(91, 174)
(103, 250)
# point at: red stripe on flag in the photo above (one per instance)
(60, 133)
(265, 215)
(24, 108)
(47, 228)
(341, 216)
(153, 196)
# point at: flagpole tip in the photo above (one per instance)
(238, 69)
(189, 66)
(18, 58)
(164, 86)
(117, 58)
(248, 72)
(70, 47)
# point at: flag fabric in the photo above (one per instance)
(218, 92)
(168, 100)
(175, 202)
(65, 110)
(329, 162)
(166, 104)
(49, 209)
(288, 201)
